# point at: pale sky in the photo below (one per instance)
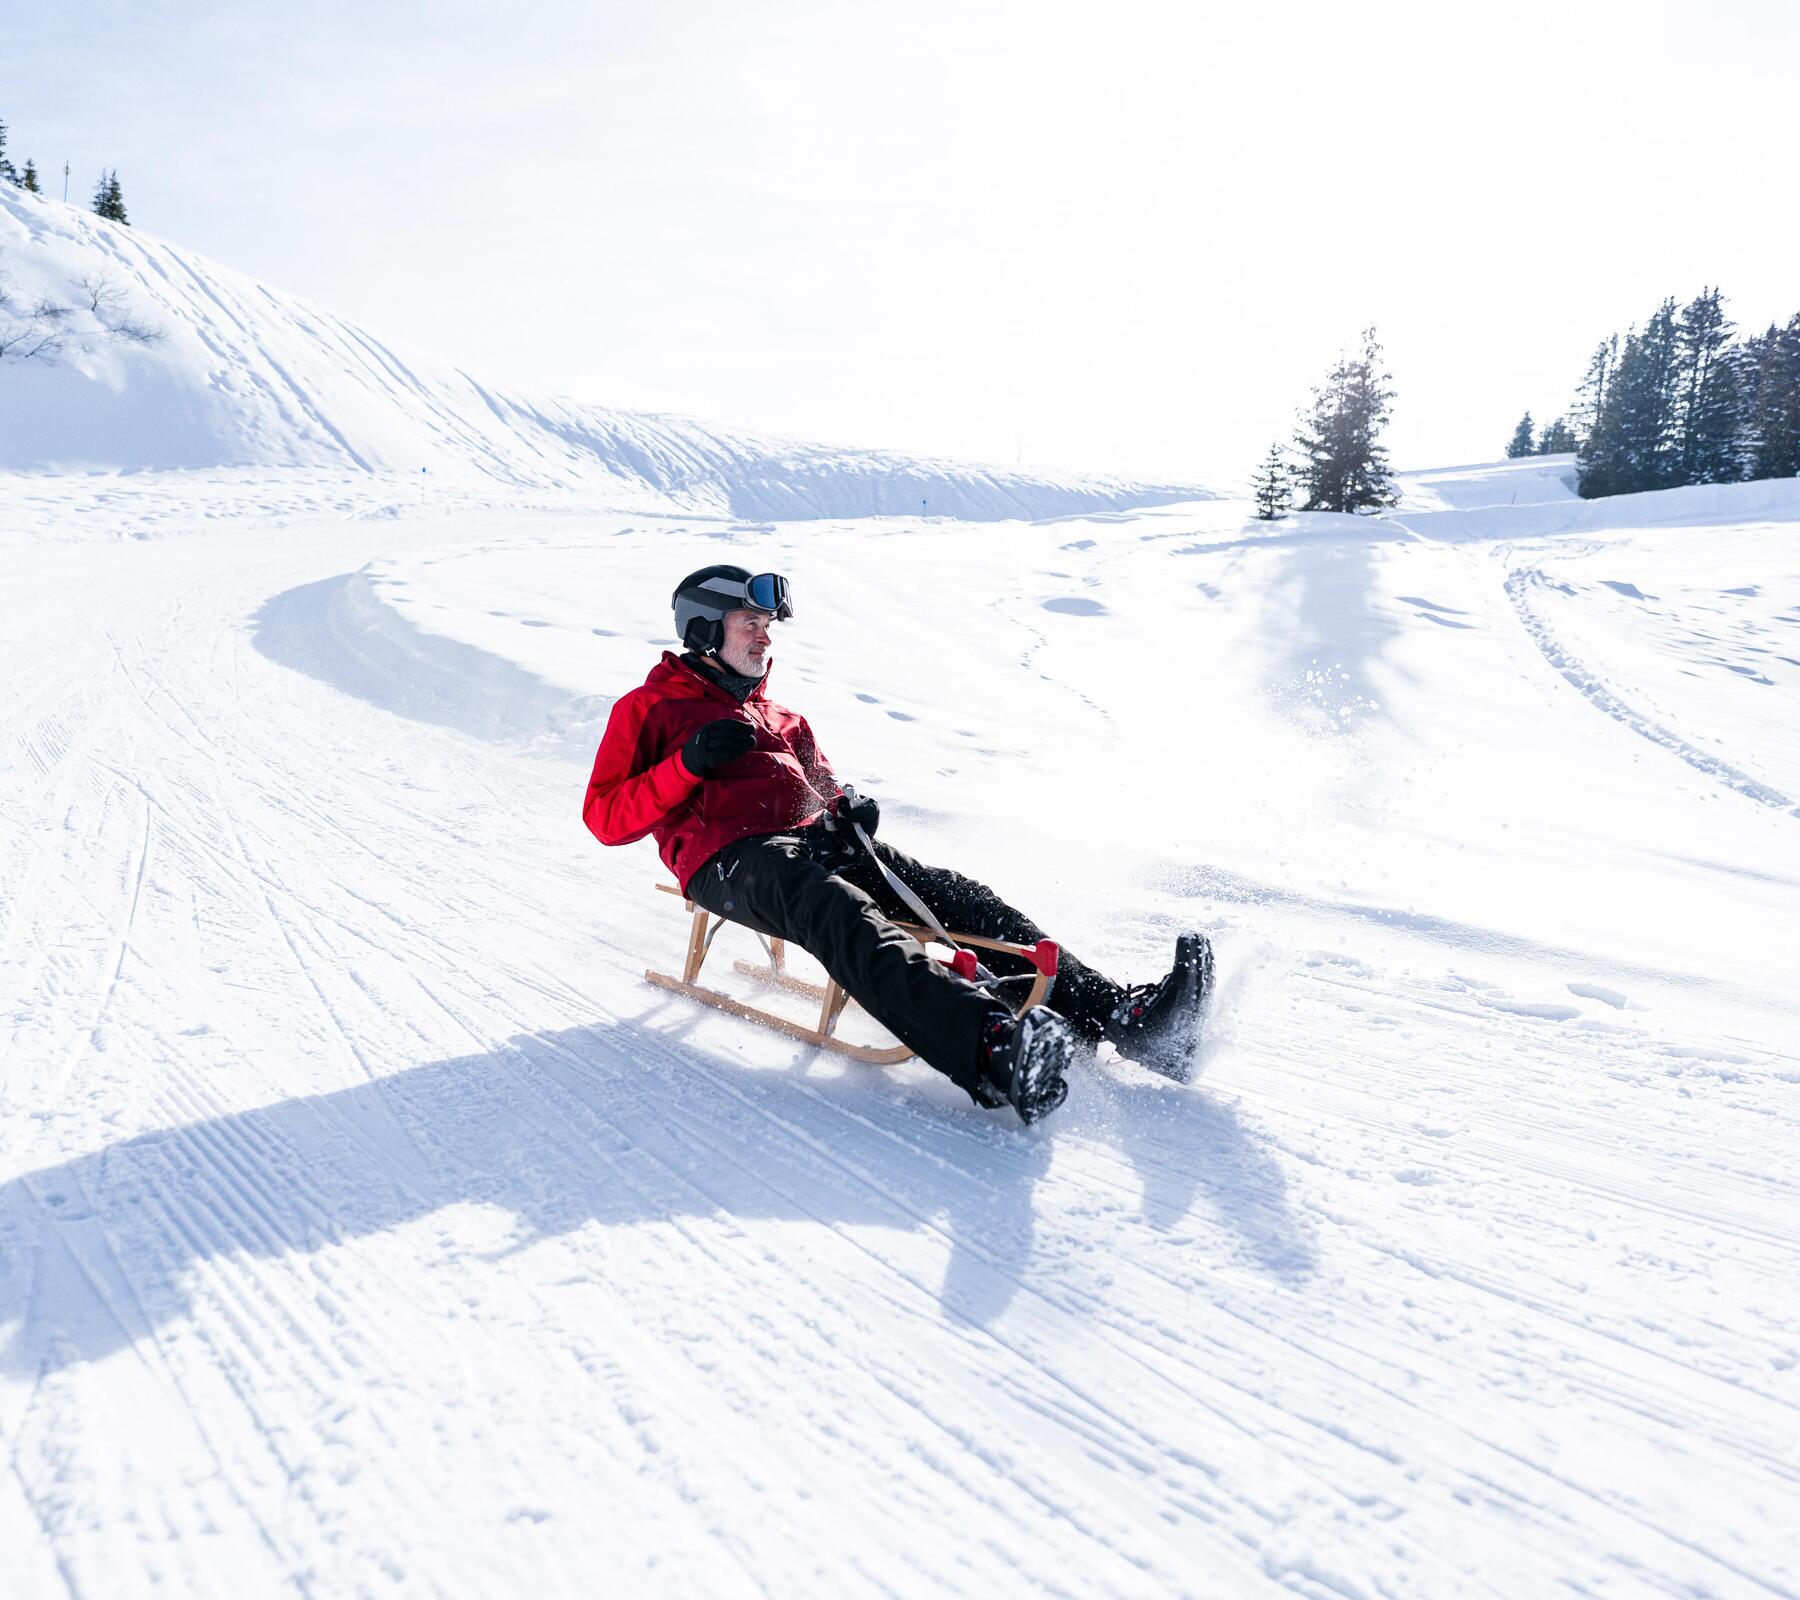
(1120, 236)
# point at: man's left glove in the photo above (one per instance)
(858, 808)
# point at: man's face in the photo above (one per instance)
(746, 646)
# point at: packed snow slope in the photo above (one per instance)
(243, 376)
(369, 1226)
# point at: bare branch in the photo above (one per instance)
(43, 333)
(104, 297)
(134, 332)
(31, 339)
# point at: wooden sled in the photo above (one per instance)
(832, 999)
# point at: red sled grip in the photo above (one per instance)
(962, 964)
(1043, 955)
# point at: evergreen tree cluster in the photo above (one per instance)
(1557, 437)
(1337, 459)
(109, 198)
(1680, 400)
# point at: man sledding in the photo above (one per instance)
(747, 814)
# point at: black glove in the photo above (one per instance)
(858, 808)
(717, 743)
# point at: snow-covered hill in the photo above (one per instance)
(244, 376)
(369, 1226)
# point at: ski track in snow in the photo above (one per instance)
(1518, 587)
(368, 1226)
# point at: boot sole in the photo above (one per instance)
(1040, 1076)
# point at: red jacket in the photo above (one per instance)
(642, 786)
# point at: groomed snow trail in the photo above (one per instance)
(367, 1226)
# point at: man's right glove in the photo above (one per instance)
(717, 743)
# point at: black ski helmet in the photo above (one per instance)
(702, 599)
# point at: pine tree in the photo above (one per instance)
(1273, 485)
(1344, 466)
(1658, 439)
(1520, 443)
(1591, 395)
(1557, 439)
(7, 170)
(1772, 380)
(1634, 442)
(1708, 420)
(30, 180)
(109, 199)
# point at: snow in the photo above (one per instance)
(247, 377)
(1523, 480)
(368, 1225)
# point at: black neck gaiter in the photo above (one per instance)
(734, 684)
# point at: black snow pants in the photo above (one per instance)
(807, 888)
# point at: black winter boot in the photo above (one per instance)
(1023, 1060)
(1157, 1025)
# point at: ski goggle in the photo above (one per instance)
(768, 591)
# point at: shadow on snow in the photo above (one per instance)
(614, 1125)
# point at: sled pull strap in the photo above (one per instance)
(913, 902)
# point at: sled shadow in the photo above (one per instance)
(602, 1126)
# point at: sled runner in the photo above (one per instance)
(830, 995)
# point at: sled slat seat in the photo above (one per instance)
(830, 995)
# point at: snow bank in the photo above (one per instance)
(1697, 506)
(340, 631)
(1522, 480)
(245, 376)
